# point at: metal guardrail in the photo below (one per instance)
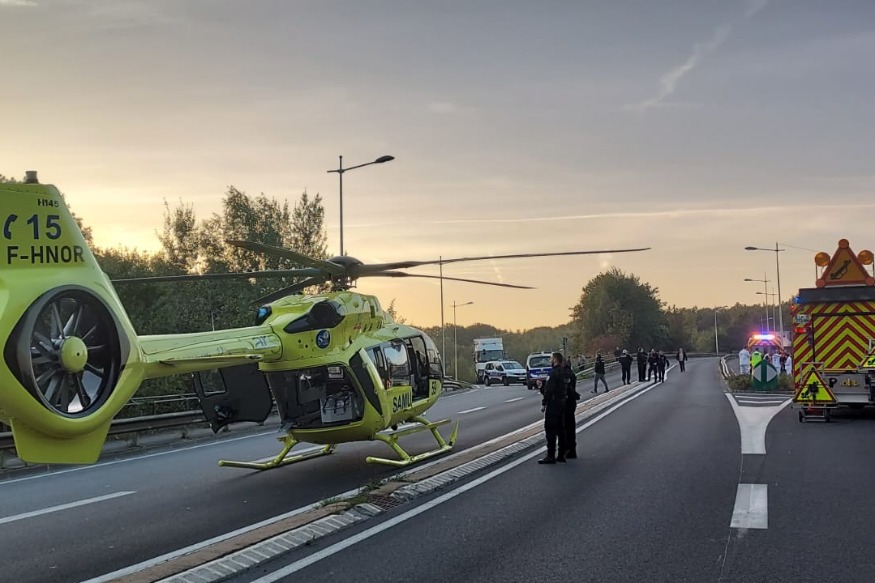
(135, 425)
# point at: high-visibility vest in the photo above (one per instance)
(755, 358)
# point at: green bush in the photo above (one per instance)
(741, 383)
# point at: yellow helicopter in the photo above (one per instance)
(336, 364)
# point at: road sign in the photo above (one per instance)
(765, 376)
(814, 390)
(869, 362)
(845, 269)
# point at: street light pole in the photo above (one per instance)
(780, 297)
(340, 170)
(456, 339)
(716, 341)
(777, 251)
(443, 326)
(765, 283)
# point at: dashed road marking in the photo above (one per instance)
(51, 509)
(517, 399)
(470, 410)
(751, 507)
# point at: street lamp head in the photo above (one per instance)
(751, 248)
(382, 159)
(749, 279)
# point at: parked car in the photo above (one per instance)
(537, 368)
(504, 371)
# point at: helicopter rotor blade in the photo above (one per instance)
(289, 290)
(300, 258)
(369, 269)
(402, 274)
(305, 272)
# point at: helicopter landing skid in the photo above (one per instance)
(424, 424)
(281, 459)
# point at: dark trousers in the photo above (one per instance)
(555, 432)
(627, 374)
(570, 428)
(642, 371)
(652, 372)
(661, 374)
(683, 365)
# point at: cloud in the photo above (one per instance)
(17, 3)
(754, 7)
(741, 211)
(668, 83)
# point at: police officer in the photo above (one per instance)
(553, 405)
(641, 358)
(626, 366)
(661, 365)
(571, 397)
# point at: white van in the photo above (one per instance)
(503, 371)
(538, 368)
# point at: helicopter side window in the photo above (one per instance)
(376, 355)
(435, 366)
(398, 365)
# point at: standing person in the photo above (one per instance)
(652, 364)
(682, 359)
(599, 370)
(744, 361)
(661, 365)
(776, 360)
(783, 362)
(755, 358)
(568, 421)
(552, 406)
(789, 364)
(626, 367)
(642, 365)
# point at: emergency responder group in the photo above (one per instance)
(781, 360)
(560, 396)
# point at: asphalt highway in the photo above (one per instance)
(661, 492)
(84, 522)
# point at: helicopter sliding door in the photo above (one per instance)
(418, 367)
(231, 395)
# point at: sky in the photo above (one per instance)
(695, 128)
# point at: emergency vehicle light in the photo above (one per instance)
(764, 336)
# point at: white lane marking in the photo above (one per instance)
(747, 396)
(69, 505)
(751, 507)
(470, 410)
(366, 534)
(758, 402)
(753, 422)
(517, 399)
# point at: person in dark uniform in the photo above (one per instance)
(641, 358)
(653, 365)
(599, 370)
(568, 422)
(626, 366)
(662, 364)
(553, 405)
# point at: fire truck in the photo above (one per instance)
(834, 336)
